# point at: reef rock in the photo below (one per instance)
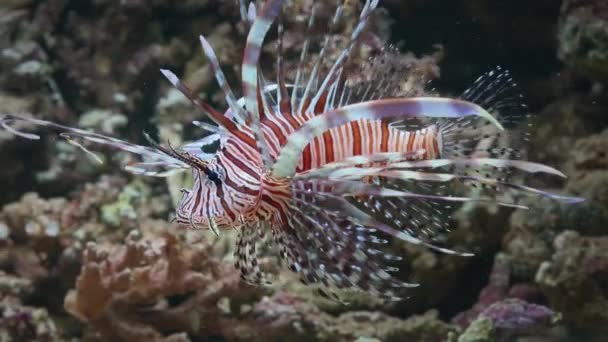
(583, 36)
(575, 280)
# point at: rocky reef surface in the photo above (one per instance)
(88, 252)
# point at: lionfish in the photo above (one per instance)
(328, 169)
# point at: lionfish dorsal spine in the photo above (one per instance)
(218, 118)
(238, 112)
(303, 57)
(249, 74)
(282, 94)
(312, 79)
(343, 57)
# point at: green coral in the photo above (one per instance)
(584, 43)
(124, 208)
(481, 330)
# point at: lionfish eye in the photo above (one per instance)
(214, 177)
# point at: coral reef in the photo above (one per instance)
(286, 315)
(149, 287)
(23, 323)
(583, 36)
(574, 280)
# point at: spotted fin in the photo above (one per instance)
(333, 251)
(248, 255)
(419, 197)
(499, 94)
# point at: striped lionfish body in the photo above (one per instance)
(327, 168)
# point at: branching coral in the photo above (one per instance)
(23, 323)
(286, 315)
(583, 36)
(153, 286)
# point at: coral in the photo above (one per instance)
(588, 168)
(33, 218)
(152, 286)
(505, 319)
(23, 323)
(574, 279)
(51, 224)
(44, 237)
(480, 330)
(285, 315)
(583, 36)
(14, 288)
(124, 208)
(531, 234)
(517, 315)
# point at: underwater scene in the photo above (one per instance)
(304, 170)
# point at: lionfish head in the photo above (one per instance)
(204, 206)
(213, 202)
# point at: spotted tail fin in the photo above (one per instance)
(473, 137)
(476, 140)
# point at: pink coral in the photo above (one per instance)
(151, 286)
(574, 280)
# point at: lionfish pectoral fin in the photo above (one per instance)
(156, 163)
(477, 181)
(418, 197)
(72, 141)
(333, 249)
(365, 218)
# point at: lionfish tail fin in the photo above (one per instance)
(499, 95)
(489, 160)
(154, 162)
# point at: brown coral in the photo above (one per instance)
(151, 287)
(285, 315)
(583, 36)
(576, 278)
